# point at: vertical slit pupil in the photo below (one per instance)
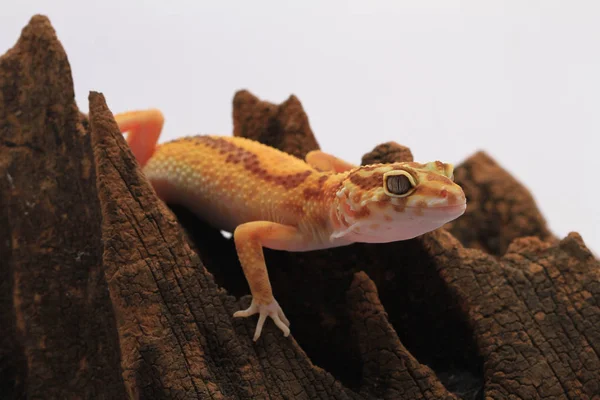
(398, 184)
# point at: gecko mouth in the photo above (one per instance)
(441, 208)
(440, 213)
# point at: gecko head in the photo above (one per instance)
(390, 202)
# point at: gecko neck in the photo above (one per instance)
(341, 220)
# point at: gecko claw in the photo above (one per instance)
(272, 310)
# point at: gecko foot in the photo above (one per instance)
(272, 310)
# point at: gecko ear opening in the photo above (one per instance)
(398, 183)
(449, 171)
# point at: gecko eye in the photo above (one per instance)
(398, 183)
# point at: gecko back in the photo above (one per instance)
(230, 180)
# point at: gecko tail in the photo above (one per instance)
(143, 129)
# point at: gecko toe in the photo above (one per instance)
(272, 310)
(281, 325)
(261, 321)
(253, 309)
(283, 318)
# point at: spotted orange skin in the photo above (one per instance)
(251, 182)
(229, 181)
(268, 198)
(271, 199)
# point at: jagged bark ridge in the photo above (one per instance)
(57, 325)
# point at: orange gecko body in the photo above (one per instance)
(271, 199)
(253, 182)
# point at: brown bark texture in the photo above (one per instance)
(106, 292)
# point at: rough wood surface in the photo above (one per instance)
(281, 126)
(176, 332)
(58, 336)
(500, 208)
(387, 153)
(105, 292)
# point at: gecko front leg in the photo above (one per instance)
(322, 161)
(250, 238)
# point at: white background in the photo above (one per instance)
(518, 79)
